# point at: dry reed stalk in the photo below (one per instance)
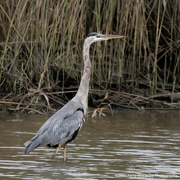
(41, 45)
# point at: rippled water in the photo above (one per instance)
(129, 145)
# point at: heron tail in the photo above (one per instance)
(31, 145)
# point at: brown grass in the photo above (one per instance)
(41, 47)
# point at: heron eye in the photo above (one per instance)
(98, 36)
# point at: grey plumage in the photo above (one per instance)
(55, 129)
(63, 127)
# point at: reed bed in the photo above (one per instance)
(41, 50)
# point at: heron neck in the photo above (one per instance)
(83, 90)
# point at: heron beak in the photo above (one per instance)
(112, 36)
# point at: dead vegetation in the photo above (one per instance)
(41, 52)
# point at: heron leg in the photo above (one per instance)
(65, 152)
(53, 156)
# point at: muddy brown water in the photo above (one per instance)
(129, 145)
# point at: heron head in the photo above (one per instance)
(94, 37)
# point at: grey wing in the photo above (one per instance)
(43, 133)
(42, 136)
(57, 118)
(62, 134)
(56, 131)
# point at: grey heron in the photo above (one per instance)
(63, 127)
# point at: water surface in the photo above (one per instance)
(129, 145)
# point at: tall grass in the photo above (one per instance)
(41, 45)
